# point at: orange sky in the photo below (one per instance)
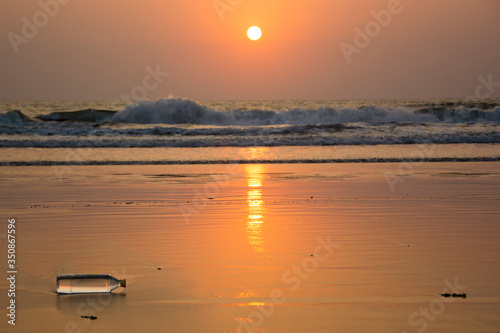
(100, 49)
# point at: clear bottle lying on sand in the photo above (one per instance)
(88, 283)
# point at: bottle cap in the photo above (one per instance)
(123, 283)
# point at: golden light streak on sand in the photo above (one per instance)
(255, 220)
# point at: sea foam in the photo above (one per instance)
(184, 111)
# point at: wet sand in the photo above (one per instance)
(268, 248)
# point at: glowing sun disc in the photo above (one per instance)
(254, 33)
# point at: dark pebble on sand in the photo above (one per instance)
(454, 295)
(90, 317)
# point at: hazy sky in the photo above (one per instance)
(310, 49)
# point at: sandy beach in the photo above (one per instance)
(230, 166)
(263, 248)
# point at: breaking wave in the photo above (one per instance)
(184, 111)
(186, 123)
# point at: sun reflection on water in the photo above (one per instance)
(255, 221)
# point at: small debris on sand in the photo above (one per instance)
(90, 317)
(454, 295)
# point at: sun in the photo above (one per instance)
(254, 33)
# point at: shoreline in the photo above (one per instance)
(411, 153)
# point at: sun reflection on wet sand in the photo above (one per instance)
(255, 221)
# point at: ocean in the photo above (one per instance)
(183, 131)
